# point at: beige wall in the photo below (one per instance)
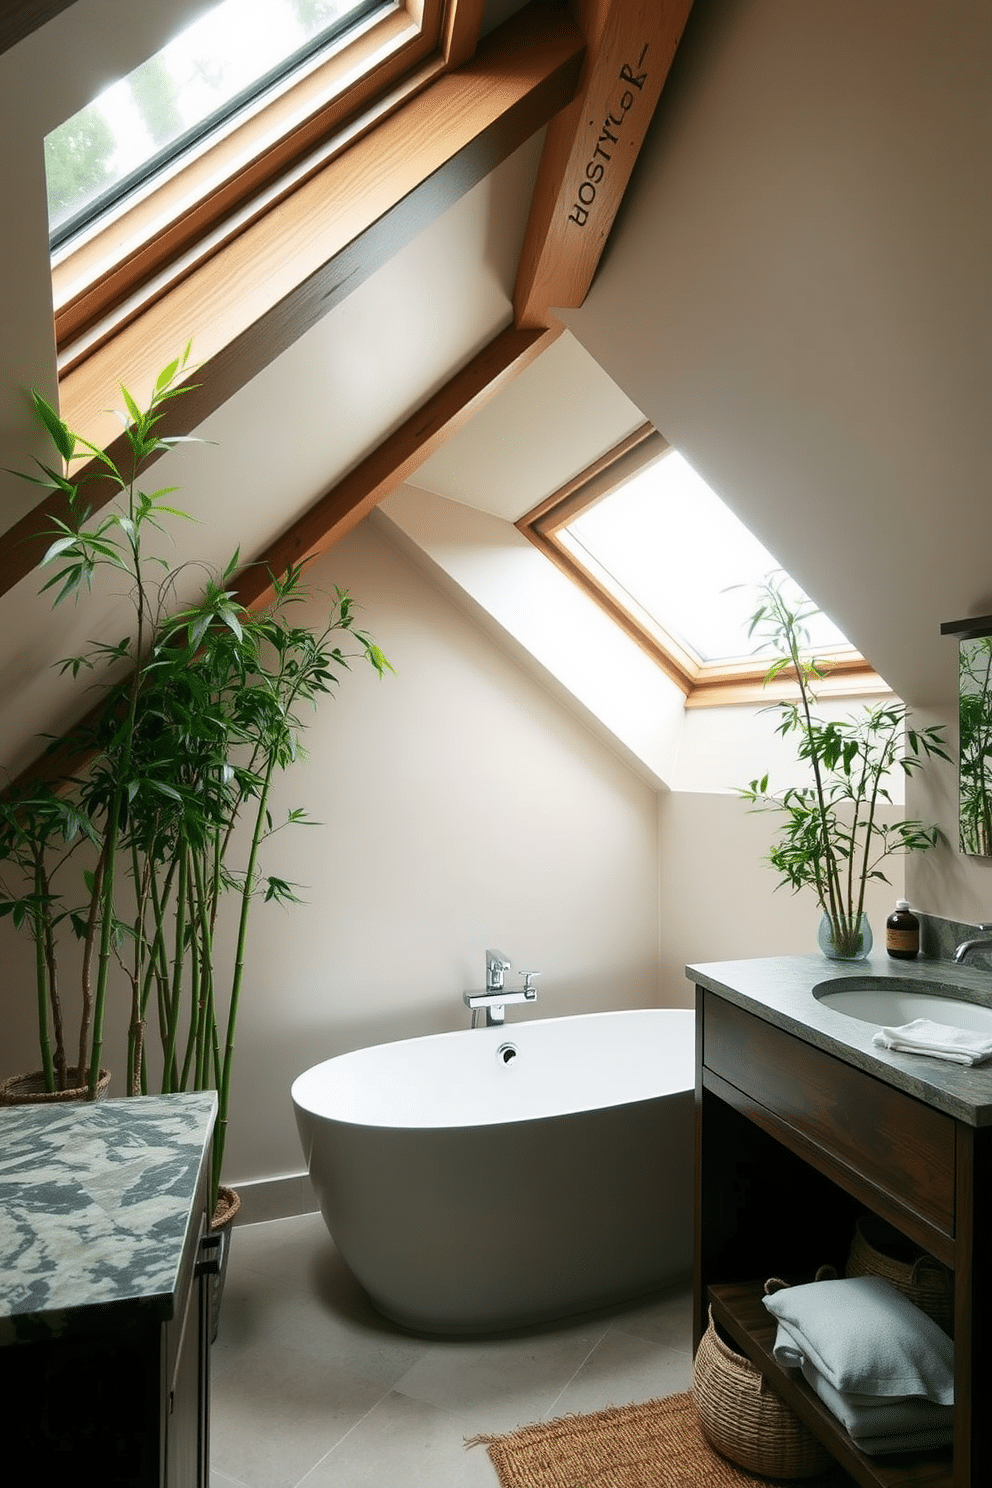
(719, 899)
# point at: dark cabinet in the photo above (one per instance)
(185, 1413)
(793, 1144)
(113, 1388)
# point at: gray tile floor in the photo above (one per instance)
(311, 1387)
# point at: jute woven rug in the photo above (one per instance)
(655, 1445)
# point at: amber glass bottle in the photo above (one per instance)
(902, 932)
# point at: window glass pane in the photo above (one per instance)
(666, 542)
(223, 61)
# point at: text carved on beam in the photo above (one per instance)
(590, 150)
(631, 78)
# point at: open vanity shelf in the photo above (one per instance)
(793, 1143)
(738, 1310)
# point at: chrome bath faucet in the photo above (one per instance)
(496, 965)
(495, 997)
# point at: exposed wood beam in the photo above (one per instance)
(353, 497)
(255, 299)
(21, 17)
(343, 507)
(590, 150)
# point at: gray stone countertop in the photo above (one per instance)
(779, 989)
(96, 1200)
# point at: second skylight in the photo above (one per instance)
(666, 546)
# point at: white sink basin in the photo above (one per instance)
(888, 1002)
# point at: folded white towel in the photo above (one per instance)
(865, 1338)
(874, 1417)
(911, 1441)
(941, 1040)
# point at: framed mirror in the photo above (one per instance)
(974, 733)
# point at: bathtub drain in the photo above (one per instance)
(506, 1053)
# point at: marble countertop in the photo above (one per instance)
(779, 989)
(96, 1200)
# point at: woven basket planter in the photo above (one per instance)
(879, 1250)
(743, 1418)
(29, 1090)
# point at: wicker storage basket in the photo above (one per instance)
(743, 1418)
(879, 1250)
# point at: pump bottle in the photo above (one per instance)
(902, 932)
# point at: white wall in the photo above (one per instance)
(559, 633)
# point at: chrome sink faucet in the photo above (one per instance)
(980, 942)
(496, 996)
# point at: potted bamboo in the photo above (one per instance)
(832, 838)
(160, 804)
(38, 835)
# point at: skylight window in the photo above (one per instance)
(666, 544)
(223, 63)
(217, 131)
(654, 545)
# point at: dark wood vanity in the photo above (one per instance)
(798, 1133)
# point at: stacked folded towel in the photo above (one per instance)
(879, 1364)
(941, 1040)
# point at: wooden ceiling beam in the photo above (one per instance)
(343, 506)
(590, 150)
(353, 497)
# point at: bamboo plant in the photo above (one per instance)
(224, 713)
(833, 838)
(163, 806)
(45, 830)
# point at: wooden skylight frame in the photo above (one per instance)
(705, 684)
(160, 237)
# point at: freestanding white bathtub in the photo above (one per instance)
(490, 1178)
